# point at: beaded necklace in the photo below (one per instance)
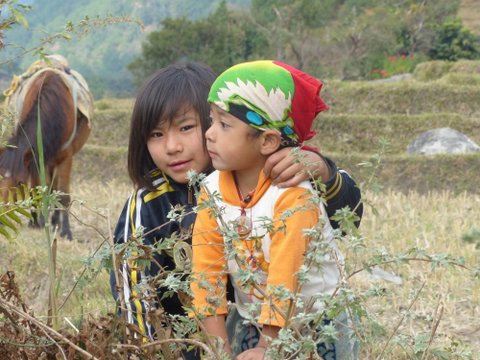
(243, 223)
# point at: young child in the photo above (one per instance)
(168, 123)
(258, 108)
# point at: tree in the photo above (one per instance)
(172, 43)
(366, 33)
(419, 21)
(221, 40)
(327, 38)
(292, 27)
(452, 42)
(359, 40)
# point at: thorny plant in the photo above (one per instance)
(295, 341)
(113, 338)
(299, 337)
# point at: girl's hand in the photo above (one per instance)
(257, 353)
(285, 171)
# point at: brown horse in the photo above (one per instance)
(48, 99)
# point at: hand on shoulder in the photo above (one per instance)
(285, 169)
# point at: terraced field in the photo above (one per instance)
(361, 113)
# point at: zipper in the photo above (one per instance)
(189, 196)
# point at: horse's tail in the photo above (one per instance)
(48, 102)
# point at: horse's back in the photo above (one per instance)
(21, 85)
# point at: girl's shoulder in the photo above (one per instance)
(163, 190)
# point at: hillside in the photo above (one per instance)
(100, 51)
(113, 35)
(108, 36)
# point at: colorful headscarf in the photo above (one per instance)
(270, 95)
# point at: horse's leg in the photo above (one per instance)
(64, 169)
(62, 181)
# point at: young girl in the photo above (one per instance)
(259, 108)
(169, 120)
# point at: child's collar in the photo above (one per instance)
(229, 192)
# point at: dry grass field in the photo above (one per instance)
(435, 222)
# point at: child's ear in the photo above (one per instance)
(271, 141)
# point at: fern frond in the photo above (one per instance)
(5, 233)
(11, 213)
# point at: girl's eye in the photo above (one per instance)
(224, 125)
(156, 134)
(186, 128)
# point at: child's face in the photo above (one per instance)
(230, 143)
(177, 146)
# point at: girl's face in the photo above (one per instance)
(230, 143)
(176, 146)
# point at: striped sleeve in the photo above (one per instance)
(130, 274)
(341, 191)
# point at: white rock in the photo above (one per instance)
(442, 141)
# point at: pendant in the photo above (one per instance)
(243, 226)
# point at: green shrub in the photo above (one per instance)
(452, 42)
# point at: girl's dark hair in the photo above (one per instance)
(160, 98)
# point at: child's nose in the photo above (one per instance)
(209, 134)
(173, 144)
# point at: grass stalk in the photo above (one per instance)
(52, 308)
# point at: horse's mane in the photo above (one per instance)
(47, 100)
